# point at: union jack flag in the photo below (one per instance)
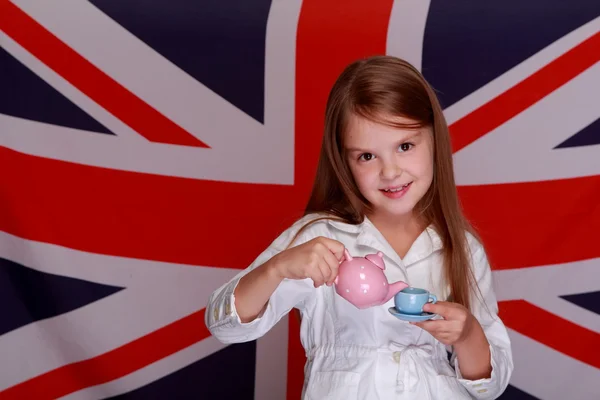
(149, 151)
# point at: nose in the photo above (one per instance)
(390, 170)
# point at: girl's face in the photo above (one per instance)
(392, 167)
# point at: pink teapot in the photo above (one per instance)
(361, 281)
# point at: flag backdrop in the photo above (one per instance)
(151, 149)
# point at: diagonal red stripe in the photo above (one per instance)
(553, 331)
(536, 223)
(113, 364)
(90, 80)
(353, 30)
(526, 93)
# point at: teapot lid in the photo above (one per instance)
(376, 259)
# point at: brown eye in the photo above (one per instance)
(366, 157)
(405, 147)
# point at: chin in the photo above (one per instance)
(403, 213)
(399, 212)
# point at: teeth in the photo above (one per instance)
(396, 190)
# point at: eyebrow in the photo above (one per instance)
(407, 138)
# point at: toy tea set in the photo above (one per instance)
(361, 282)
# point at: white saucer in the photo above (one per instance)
(411, 317)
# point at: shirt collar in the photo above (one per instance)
(368, 235)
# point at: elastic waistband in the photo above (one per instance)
(362, 351)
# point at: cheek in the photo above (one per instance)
(363, 175)
(427, 169)
(423, 165)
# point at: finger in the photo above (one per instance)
(442, 308)
(337, 248)
(432, 326)
(329, 266)
(325, 271)
(316, 274)
(332, 266)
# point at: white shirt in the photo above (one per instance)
(369, 354)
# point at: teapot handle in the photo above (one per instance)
(347, 256)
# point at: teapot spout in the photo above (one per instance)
(393, 289)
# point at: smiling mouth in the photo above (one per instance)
(396, 189)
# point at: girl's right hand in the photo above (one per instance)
(317, 259)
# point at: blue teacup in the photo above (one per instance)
(411, 300)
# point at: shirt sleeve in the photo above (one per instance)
(221, 317)
(485, 309)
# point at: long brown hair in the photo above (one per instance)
(380, 88)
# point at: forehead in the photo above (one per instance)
(363, 132)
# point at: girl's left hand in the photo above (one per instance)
(456, 326)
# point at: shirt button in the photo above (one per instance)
(396, 356)
(227, 308)
(482, 391)
(216, 314)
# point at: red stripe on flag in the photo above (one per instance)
(560, 334)
(526, 93)
(137, 215)
(159, 218)
(536, 223)
(90, 80)
(354, 29)
(113, 364)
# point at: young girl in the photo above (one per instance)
(384, 183)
